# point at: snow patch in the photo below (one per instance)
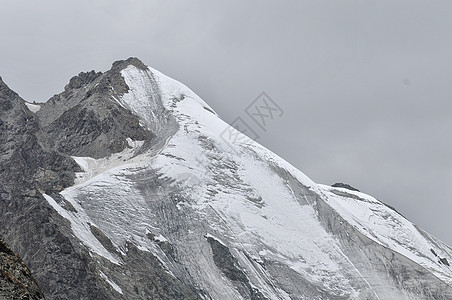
(92, 167)
(34, 108)
(111, 283)
(215, 238)
(160, 238)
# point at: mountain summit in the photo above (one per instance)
(124, 186)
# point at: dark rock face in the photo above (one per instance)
(82, 79)
(16, 281)
(228, 265)
(95, 135)
(444, 261)
(24, 163)
(7, 97)
(85, 120)
(345, 186)
(28, 223)
(225, 261)
(149, 280)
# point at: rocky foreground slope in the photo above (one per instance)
(128, 186)
(16, 281)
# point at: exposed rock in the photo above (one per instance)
(149, 279)
(24, 163)
(96, 135)
(103, 239)
(82, 79)
(86, 120)
(16, 281)
(444, 261)
(121, 64)
(229, 266)
(345, 186)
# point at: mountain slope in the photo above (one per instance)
(16, 281)
(169, 202)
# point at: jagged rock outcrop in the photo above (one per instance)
(16, 281)
(84, 121)
(25, 164)
(27, 222)
(345, 186)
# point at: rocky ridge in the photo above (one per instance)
(16, 281)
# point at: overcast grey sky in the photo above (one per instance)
(365, 85)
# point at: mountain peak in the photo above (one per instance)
(3, 85)
(89, 104)
(82, 79)
(7, 96)
(122, 64)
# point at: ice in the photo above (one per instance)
(92, 167)
(160, 238)
(111, 283)
(33, 107)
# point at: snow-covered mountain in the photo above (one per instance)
(167, 201)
